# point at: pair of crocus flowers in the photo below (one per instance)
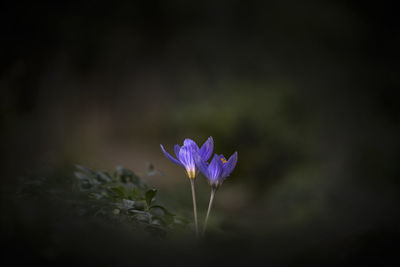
(195, 159)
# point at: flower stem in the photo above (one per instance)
(194, 207)
(213, 189)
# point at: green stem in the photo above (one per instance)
(213, 189)
(194, 207)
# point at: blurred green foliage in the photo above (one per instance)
(119, 198)
(123, 196)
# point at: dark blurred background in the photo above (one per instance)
(307, 92)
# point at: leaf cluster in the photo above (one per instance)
(123, 197)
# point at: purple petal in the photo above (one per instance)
(191, 143)
(201, 165)
(186, 156)
(228, 167)
(171, 158)
(177, 148)
(215, 168)
(207, 149)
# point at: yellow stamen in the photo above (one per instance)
(191, 173)
(223, 160)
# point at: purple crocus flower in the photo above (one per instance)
(218, 169)
(216, 172)
(185, 155)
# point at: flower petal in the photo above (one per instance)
(186, 156)
(206, 149)
(215, 169)
(201, 165)
(177, 148)
(191, 143)
(171, 158)
(228, 167)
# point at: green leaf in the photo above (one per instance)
(126, 204)
(150, 194)
(134, 193)
(162, 208)
(139, 205)
(119, 191)
(135, 211)
(103, 176)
